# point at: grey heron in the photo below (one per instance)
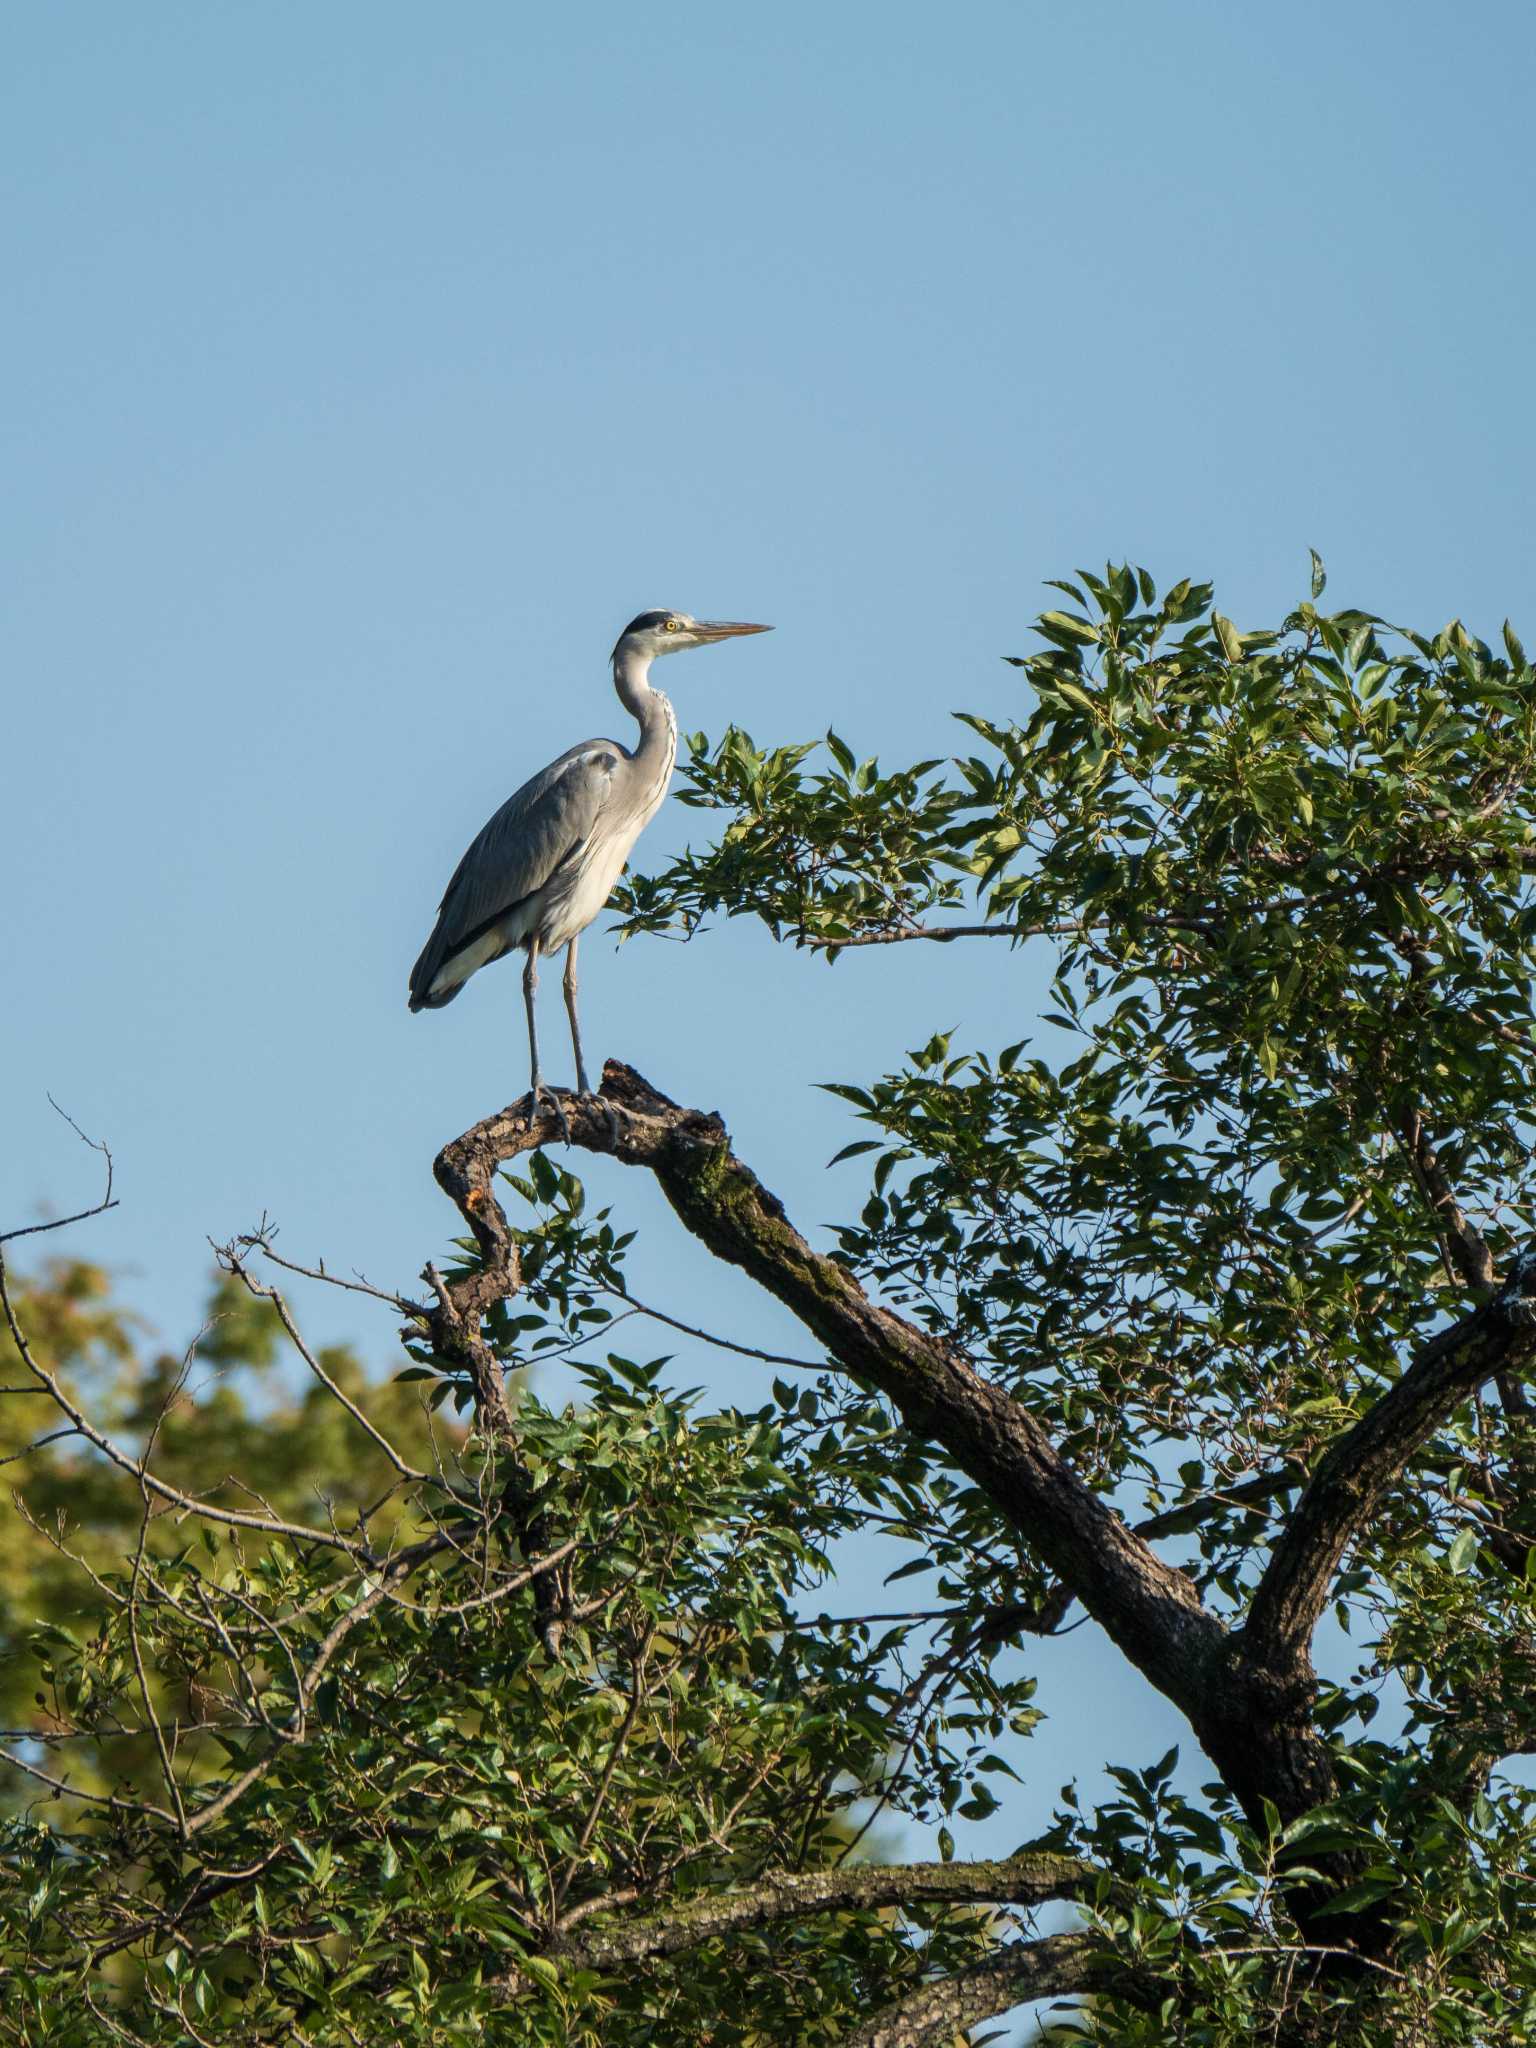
(543, 867)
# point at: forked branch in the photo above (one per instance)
(1365, 1462)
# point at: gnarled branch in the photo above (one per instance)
(1149, 1608)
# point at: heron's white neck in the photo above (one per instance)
(651, 711)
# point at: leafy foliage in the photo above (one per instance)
(530, 1734)
(410, 1829)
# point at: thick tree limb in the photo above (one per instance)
(1027, 1880)
(1349, 1484)
(1150, 1609)
(1056, 1967)
(1248, 1700)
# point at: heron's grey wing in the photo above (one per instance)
(514, 855)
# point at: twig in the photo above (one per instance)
(107, 1799)
(261, 1240)
(236, 1265)
(127, 1463)
(659, 1315)
(80, 1215)
(615, 1750)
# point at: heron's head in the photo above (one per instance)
(656, 633)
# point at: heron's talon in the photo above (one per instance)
(546, 1098)
(611, 1115)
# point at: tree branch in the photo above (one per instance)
(80, 1215)
(1027, 1880)
(1349, 1484)
(229, 1256)
(1151, 1610)
(1466, 1253)
(1463, 1246)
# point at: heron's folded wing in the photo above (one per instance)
(517, 851)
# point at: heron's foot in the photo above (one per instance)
(545, 1098)
(611, 1115)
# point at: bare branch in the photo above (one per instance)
(39, 1443)
(260, 1240)
(97, 1208)
(108, 1799)
(658, 1315)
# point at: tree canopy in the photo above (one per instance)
(441, 1710)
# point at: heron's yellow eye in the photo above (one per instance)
(674, 625)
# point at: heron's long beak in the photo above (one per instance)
(725, 629)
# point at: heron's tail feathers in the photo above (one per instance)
(436, 980)
(429, 1001)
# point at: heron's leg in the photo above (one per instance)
(583, 1086)
(536, 1086)
(530, 990)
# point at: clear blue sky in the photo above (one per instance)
(366, 366)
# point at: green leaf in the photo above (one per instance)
(852, 1151)
(1067, 626)
(841, 754)
(1075, 695)
(1368, 1891)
